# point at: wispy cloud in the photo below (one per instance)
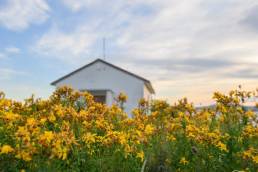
(175, 44)
(2, 55)
(76, 5)
(245, 73)
(189, 29)
(251, 19)
(107, 21)
(19, 14)
(12, 50)
(68, 47)
(8, 73)
(9, 51)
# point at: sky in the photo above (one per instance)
(185, 48)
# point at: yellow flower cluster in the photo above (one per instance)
(6, 149)
(71, 131)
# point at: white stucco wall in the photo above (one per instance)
(146, 94)
(103, 77)
(110, 98)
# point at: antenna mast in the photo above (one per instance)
(104, 48)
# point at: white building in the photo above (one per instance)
(105, 81)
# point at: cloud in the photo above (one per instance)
(18, 15)
(172, 36)
(8, 73)
(246, 73)
(12, 50)
(64, 46)
(251, 19)
(83, 39)
(2, 56)
(183, 47)
(9, 51)
(113, 5)
(187, 29)
(187, 65)
(76, 5)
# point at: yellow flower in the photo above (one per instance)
(255, 159)
(59, 151)
(122, 97)
(31, 122)
(142, 102)
(52, 118)
(183, 161)
(58, 110)
(249, 114)
(6, 149)
(127, 150)
(140, 155)
(192, 131)
(222, 146)
(171, 138)
(24, 156)
(149, 129)
(63, 153)
(247, 154)
(43, 120)
(122, 139)
(48, 136)
(100, 123)
(10, 116)
(249, 131)
(87, 124)
(89, 138)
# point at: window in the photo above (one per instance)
(100, 98)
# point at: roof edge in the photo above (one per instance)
(73, 72)
(147, 82)
(150, 88)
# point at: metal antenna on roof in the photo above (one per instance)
(104, 48)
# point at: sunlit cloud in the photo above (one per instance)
(20, 14)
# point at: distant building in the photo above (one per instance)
(105, 81)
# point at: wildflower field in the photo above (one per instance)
(71, 132)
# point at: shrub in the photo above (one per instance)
(71, 132)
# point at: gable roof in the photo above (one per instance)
(146, 82)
